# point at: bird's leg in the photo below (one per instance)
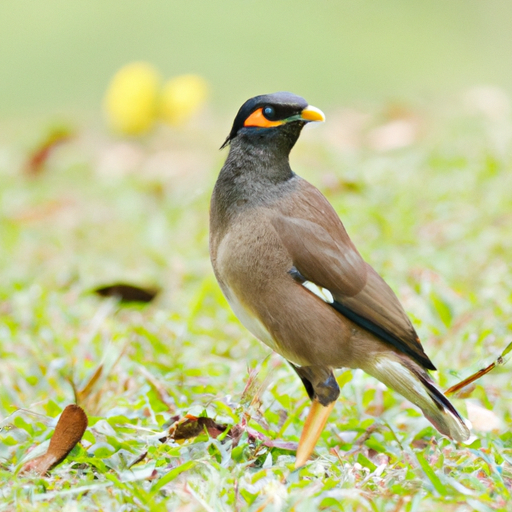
(323, 390)
(313, 428)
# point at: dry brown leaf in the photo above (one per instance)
(83, 393)
(39, 156)
(139, 459)
(92, 392)
(127, 292)
(68, 432)
(480, 373)
(191, 426)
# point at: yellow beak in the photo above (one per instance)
(311, 113)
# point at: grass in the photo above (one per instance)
(433, 217)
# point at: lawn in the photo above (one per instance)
(425, 191)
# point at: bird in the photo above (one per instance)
(295, 280)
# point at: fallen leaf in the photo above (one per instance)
(127, 292)
(39, 156)
(90, 394)
(191, 426)
(86, 390)
(480, 373)
(140, 458)
(68, 432)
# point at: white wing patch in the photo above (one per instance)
(322, 293)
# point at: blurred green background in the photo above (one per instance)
(416, 158)
(57, 55)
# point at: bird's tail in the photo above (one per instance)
(415, 384)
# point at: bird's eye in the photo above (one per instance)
(269, 112)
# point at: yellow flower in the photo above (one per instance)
(181, 97)
(131, 99)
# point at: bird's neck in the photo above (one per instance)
(248, 162)
(258, 159)
(252, 176)
(256, 172)
(252, 173)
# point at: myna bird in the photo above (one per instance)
(294, 278)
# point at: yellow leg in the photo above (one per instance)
(315, 423)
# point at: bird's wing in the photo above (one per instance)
(328, 263)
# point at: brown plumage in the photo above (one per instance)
(295, 279)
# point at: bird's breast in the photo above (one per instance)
(250, 254)
(249, 261)
(249, 319)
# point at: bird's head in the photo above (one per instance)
(270, 115)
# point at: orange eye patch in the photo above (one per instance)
(258, 119)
